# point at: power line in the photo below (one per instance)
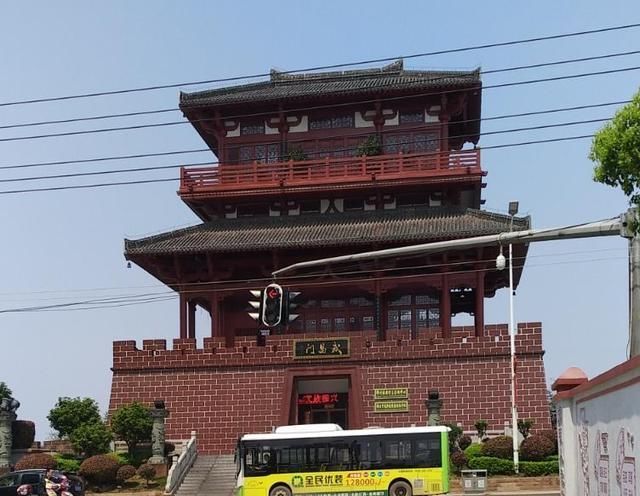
(82, 305)
(168, 179)
(301, 140)
(265, 279)
(435, 79)
(348, 149)
(386, 99)
(325, 67)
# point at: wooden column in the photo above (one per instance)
(381, 321)
(183, 316)
(227, 332)
(445, 307)
(191, 329)
(479, 307)
(213, 313)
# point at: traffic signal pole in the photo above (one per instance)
(624, 225)
(634, 334)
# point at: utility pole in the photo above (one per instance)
(629, 230)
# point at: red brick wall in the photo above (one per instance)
(224, 392)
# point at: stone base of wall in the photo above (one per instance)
(514, 484)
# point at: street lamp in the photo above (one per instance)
(500, 265)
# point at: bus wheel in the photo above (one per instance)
(399, 488)
(280, 491)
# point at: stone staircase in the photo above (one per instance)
(210, 476)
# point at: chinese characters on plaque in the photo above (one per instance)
(321, 348)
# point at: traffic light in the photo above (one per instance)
(290, 306)
(256, 304)
(272, 300)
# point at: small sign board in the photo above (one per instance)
(391, 406)
(321, 348)
(391, 394)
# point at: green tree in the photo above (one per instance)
(616, 151)
(91, 439)
(132, 424)
(5, 391)
(71, 413)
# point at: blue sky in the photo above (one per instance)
(62, 246)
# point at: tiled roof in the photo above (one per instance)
(361, 82)
(403, 225)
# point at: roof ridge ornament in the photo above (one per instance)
(395, 66)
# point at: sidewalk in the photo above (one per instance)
(551, 492)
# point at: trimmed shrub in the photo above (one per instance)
(23, 433)
(493, 466)
(459, 460)
(481, 426)
(536, 448)
(498, 447)
(464, 442)
(536, 469)
(552, 435)
(67, 463)
(146, 472)
(125, 473)
(100, 469)
(524, 427)
(473, 450)
(37, 460)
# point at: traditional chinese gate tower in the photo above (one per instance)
(316, 165)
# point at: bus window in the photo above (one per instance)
(340, 457)
(397, 453)
(427, 452)
(259, 460)
(369, 455)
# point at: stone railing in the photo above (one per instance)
(180, 468)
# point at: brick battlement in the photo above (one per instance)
(364, 347)
(224, 392)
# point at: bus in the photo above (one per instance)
(325, 460)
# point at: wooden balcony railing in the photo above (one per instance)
(226, 177)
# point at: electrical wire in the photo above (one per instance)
(170, 179)
(71, 306)
(347, 149)
(302, 140)
(382, 86)
(325, 67)
(335, 105)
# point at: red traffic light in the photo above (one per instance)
(273, 292)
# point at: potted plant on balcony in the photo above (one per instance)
(370, 146)
(297, 154)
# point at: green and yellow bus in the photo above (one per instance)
(324, 460)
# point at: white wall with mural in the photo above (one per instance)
(599, 434)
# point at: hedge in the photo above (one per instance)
(100, 469)
(535, 469)
(499, 466)
(125, 473)
(473, 450)
(498, 447)
(67, 463)
(493, 466)
(36, 461)
(537, 448)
